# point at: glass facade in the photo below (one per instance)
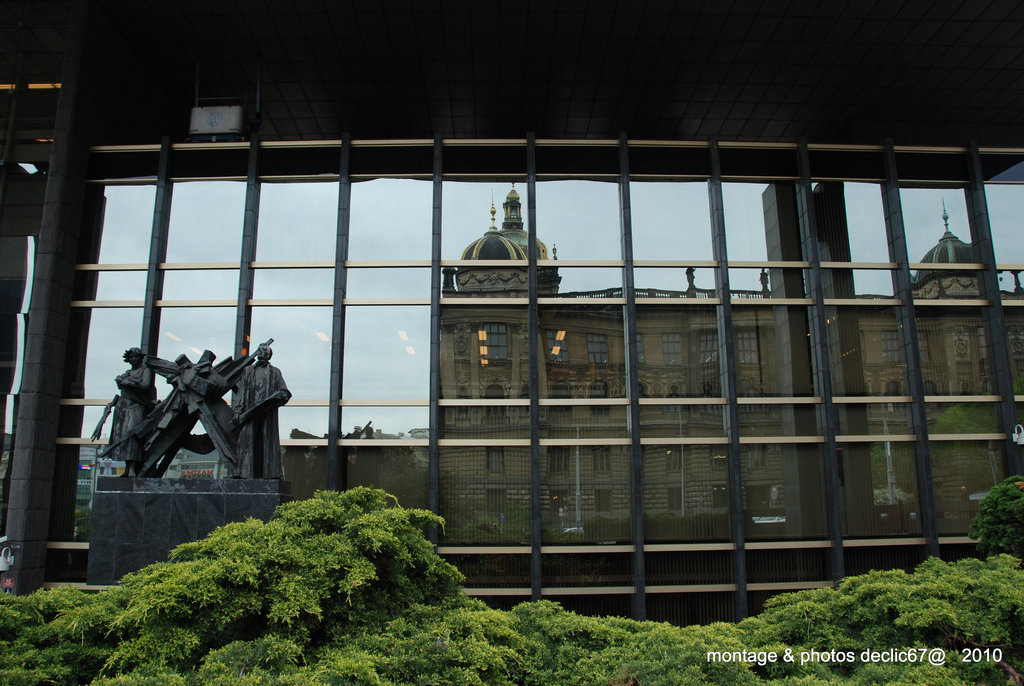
(632, 405)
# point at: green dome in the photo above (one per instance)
(949, 250)
(493, 246)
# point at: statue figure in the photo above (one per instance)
(259, 393)
(137, 398)
(196, 396)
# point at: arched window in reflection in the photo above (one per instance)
(494, 413)
(560, 390)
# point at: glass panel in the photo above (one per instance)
(302, 346)
(879, 489)
(1010, 287)
(851, 222)
(866, 284)
(590, 362)
(866, 351)
(302, 422)
(932, 165)
(761, 221)
(282, 284)
(385, 422)
(191, 330)
(90, 467)
(671, 568)
(686, 494)
(884, 419)
(1003, 166)
(117, 286)
(563, 206)
(943, 283)
(484, 353)
(585, 494)
(955, 357)
(1005, 208)
(493, 571)
(678, 352)
(391, 220)
(306, 468)
(401, 471)
(962, 418)
(387, 352)
(206, 222)
(611, 569)
(582, 282)
(583, 421)
(772, 351)
(485, 494)
(386, 283)
(935, 221)
(127, 223)
(963, 472)
(488, 422)
(670, 221)
(207, 284)
(675, 282)
(679, 421)
(778, 420)
(773, 566)
(767, 283)
(847, 164)
(1015, 343)
(783, 491)
(285, 206)
(470, 230)
(111, 331)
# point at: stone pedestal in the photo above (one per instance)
(136, 522)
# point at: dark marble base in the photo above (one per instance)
(136, 522)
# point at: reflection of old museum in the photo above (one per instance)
(743, 347)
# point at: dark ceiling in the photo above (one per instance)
(940, 71)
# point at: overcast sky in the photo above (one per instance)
(386, 354)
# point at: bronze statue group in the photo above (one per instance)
(146, 434)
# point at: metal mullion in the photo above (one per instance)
(157, 251)
(533, 319)
(726, 344)
(636, 503)
(433, 451)
(246, 275)
(903, 286)
(995, 326)
(337, 473)
(808, 222)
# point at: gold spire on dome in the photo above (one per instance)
(945, 215)
(493, 212)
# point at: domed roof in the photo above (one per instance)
(520, 237)
(949, 250)
(493, 246)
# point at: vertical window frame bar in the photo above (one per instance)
(636, 502)
(822, 370)
(337, 469)
(157, 251)
(727, 363)
(903, 288)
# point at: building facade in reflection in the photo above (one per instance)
(666, 394)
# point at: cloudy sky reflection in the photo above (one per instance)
(386, 356)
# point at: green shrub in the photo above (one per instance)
(999, 524)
